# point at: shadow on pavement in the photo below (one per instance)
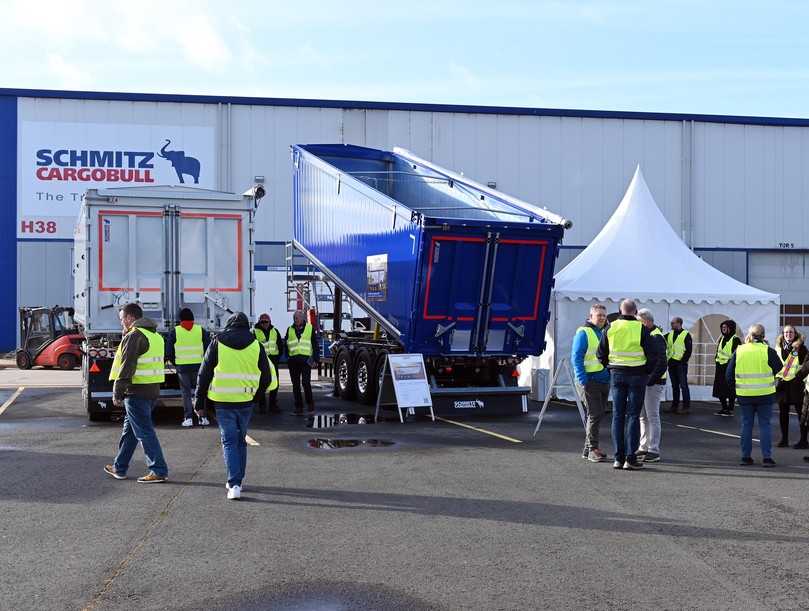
(513, 512)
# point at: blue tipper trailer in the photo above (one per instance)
(445, 266)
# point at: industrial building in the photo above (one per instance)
(733, 187)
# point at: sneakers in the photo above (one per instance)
(632, 465)
(234, 493)
(617, 464)
(649, 457)
(204, 421)
(768, 462)
(110, 470)
(187, 422)
(152, 478)
(723, 412)
(746, 461)
(595, 456)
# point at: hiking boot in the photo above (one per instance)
(632, 465)
(768, 462)
(746, 461)
(152, 478)
(110, 470)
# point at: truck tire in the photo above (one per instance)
(24, 360)
(366, 377)
(344, 376)
(67, 361)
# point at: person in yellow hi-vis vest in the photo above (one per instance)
(751, 371)
(273, 343)
(302, 352)
(678, 347)
(185, 346)
(138, 370)
(234, 374)
(788, 386)
(630, 353)
(726, 345)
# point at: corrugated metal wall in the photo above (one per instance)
(720, 185)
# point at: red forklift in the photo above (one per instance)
(49, 338)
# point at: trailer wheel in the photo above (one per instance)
(366, 377)
(24, 360)
(344, 375)
(66, 361)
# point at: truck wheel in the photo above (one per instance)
(66, 361)
(344, 375)
(366, 377)
(24, 360)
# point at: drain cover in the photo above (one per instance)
(321, 443)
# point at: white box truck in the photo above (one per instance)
(165, 248)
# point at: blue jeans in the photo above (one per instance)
(628, 392)
(188, 384)
(233, 423)
(761, 407)
(138, 427)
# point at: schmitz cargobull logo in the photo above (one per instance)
(89, 165)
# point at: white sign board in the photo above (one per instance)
(410, 380)
(59, 161)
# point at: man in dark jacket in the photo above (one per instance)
(187, 365)
(238, 362)
(138, 371)
(302, 352)
(679, 345)
(629, 351)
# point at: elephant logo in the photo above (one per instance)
(182, 163)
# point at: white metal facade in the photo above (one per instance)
(735, 192)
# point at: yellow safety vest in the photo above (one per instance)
(299, 346)
(150, 368)
(623, 338)
(791, 366)
(675, 349)
(724, 350)
(657, 331)
(591, 362)
(188, 347)
(236, 375)
(269, 341)
(753, 375)
(273, 377)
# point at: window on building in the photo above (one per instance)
(795, 314)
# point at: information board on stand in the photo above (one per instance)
(404, 385)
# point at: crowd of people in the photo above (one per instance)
(226, 376)
(631, 360)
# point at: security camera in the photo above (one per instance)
(256, 192)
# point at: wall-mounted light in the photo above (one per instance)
(492, 184)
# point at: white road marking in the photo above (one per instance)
(696, 428)
(11, 400)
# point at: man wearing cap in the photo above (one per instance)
(271, 340)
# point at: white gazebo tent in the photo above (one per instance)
(638, 255)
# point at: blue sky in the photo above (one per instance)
(747, 58)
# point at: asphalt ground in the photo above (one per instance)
(447, 518)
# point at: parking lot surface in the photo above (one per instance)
(446, 517)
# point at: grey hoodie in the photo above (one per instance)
(133, 345)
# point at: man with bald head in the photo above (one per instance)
(629, 351)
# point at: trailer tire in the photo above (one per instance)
(24, 360)
(344, 377)
(67, 361)
(366, 377)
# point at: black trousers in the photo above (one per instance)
(678, 372)
(301, 373)
(783, 420)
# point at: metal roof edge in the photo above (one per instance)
(405, 106)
